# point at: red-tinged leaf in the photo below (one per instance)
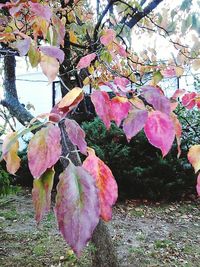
(86, 61)
(160, 132)
(108, 37)
(10, 154)
(120, 107)
(50, 67)
(188, 100)
(156, 99)
(71, 99)
(194, 157)
(41, 194)
(76, 135)
(22, 46)
(178, 93)
(135, 122)
(53, 51)
(44, 150)
(41, 10)
(178, 132)
(106, 184)
(122, 83)
(101, 102)
(198, 185)
(77, 206)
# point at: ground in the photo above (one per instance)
(145, 234)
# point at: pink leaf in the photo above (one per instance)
(101, 102)
(76, 135)
(44, 150)
(108, 37)
(159, 130)
(178, 93)
(106, 184)
(198, 184)
(157, 99)
(85, 61)
(15, 9)
(41, 10)
(169, 72)
(54, 52)
(77, 206)
(188, 100)
(178, 132)
(122, 83)
(134, 123)
(22, 46)
(119, 109)
(41, 194)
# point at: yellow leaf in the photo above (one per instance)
(73, 96)
(86, 81)
(196, 64)
(72, 37)
(194, 157)
(10, 154)
(91, 69)
(179, 71)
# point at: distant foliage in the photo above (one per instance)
(138, 167)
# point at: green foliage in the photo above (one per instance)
(138, 167)
(5, 183)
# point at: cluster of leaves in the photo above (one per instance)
(138, 167)
(49, 33)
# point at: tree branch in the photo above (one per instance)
(141, 14)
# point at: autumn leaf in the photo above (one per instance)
(198, 185)
(178, 132)
(108, 37)
(22, 46)
(188, 100)
(41, 10)
(135, 122)
(156, 99)
(50, 67)
(44, 150)
(160, 132)
(122, 83)
(105, 182)
(77, 206)
(10, 155)
(54, 52)
(41, 194)
(85, 61)
(120, 107)
(194, 157)
(71, 99)
(101, 102)
(34, 56)
(76, 135)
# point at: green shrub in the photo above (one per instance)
(138, 167)
(6, 186)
